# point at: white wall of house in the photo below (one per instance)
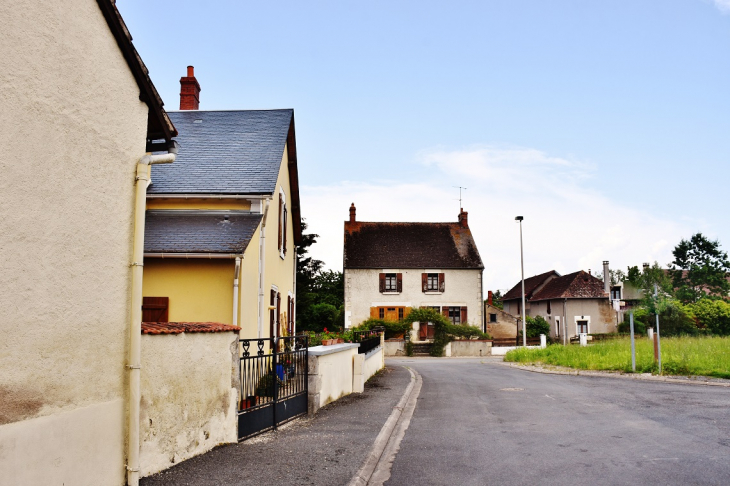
(463, 288)
(598, 313)
(73, 131)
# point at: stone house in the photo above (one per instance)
(571, 304)
(223, 221)
(389, 268)
(499, 324)
(79, 112)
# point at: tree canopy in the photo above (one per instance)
(700, 269)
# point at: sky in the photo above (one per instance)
(605, 124)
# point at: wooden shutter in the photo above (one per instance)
(288, 314)
(382, 283)
(463, 315)
(154, 309)
(284, 237)
(281, 210)
(374, 313)
(442, 282)
(424, 282)
(399, 282)
(278, 314)
(445, 311)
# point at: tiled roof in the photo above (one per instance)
(168, 232)
(409, 245)
(181, 327)
(531, 284)
(578, 285)
(225, 152)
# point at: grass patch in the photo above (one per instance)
(705, 356)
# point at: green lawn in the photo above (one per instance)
(707, 356)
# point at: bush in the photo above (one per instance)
(321, 316)
(625, 327)
(445, 331)
(536, 326)
(392, 329)
(712, 314)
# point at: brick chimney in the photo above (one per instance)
(490, 297)
(189, 91)
(352, 213)
(606, 278)
(463, 218)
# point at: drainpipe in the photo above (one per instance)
(565, 324)
(262, 254)
(293, 316)
(235, 290)
(135, 328)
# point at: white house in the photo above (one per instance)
(390, 268)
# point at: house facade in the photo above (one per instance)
(571, 304)
(223, 221)
(499, 324)
(79, 113)
(390, 268)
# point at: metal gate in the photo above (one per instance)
(274, 383)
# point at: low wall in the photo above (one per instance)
(374, 362)
(189, 396)
(330, 373)
(395, 347)
(469, 348)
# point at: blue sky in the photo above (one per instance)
(606, 124)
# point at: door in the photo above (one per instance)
(391, 314)
(557, 325)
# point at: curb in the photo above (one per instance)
(688, 380)
(389, 437)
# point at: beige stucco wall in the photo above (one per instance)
(598, 312)
(506, 325)
(189, 396)
(330, 375)
(462, 288)
(374, 362)
(73, 129)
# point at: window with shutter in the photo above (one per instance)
(432, 282)
(155, 309)
(389, 282)
(454, 314)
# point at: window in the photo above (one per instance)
(548, 307)
(381, 313)
(400, 313)
(391, 282)
(615, 293)
(432, 282)
(583, 327)
(492, 317)
(455, 315)
(282, 225)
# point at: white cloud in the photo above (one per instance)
(723, 5)
(569, 225)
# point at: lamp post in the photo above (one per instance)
(522, 266)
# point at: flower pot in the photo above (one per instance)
(340, 340)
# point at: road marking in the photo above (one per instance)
(551, 398)
(376, 469)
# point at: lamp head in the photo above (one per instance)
(519, 218)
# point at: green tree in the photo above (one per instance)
(645, 279)
(713, 315)
(535, 326)
(700, 269)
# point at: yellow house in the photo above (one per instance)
(223, 221)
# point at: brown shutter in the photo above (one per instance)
(424, 282)
(442, 282)
(374, 312)
(382, 283)
(445, 311)
(281, 209)
(278, 313)
(399, 282)
(464, 318)
(154, 309)
(284, 238)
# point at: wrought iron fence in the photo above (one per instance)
(274, 383)
(368, 340)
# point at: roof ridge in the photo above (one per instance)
(210, 111)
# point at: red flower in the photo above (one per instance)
(325, 329)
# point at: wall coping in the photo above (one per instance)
(334, 348)
(373, 351)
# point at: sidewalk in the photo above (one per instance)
(327, 449)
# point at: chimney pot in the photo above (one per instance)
(606, 277)
(352, 213)
(189, 91)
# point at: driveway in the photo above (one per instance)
(479, 422)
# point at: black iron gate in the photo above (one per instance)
(274, 383)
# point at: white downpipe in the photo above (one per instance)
(293, 316)
(235, 290)
(262, 255)
(135, 329)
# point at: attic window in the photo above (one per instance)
(198, 121)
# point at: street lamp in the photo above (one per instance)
(522, 266)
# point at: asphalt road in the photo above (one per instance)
(479, 422)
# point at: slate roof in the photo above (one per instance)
(181, 327)
(167, 232)
(225, 152)
(409, 245)
(531, 284)
(578, 285)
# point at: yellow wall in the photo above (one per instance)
(200, 203)
(199, 290)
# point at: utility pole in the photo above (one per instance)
(656, 336)
(522, 266)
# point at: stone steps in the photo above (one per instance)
(422, 349)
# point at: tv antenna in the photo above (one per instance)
(460, 189)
